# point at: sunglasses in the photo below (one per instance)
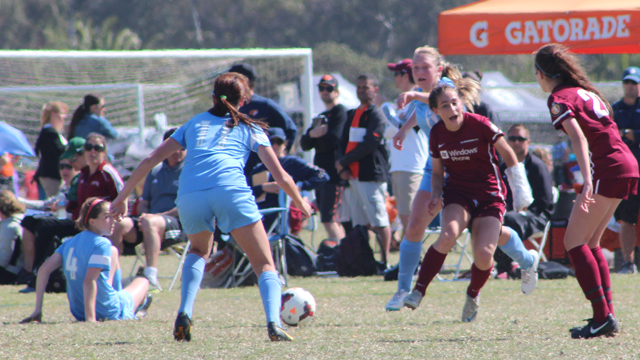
(65, 166)
(627, 82)
(326, 88)
(96, 147)
(517, 138)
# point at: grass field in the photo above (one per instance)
(350, 323)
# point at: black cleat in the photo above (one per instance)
(141, 311)
(276, 333)
(608, 328)
(182, 327)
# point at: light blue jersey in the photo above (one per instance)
(89, 250)
(216, 154)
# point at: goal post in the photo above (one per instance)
(137, 85)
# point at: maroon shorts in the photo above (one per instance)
(494, 208)
(616, 188)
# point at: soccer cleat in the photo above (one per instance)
(412, 301)
(276, 333)
(529, 277)
(141, 311)
(470, 309)
(628, 268)
(397, 301)
(182, 327)
(593, 329)
(615, 331)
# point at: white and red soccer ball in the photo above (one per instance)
(298, 307)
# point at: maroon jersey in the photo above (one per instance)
(610, 158)
(469, 158)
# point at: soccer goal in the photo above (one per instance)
(139, 85)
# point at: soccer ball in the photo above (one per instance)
(298, 307)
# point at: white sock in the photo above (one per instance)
(151, 273)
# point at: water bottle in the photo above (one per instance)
(62, 204)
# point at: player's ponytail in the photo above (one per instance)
(555, 61)
(81, 112)
(229, 89)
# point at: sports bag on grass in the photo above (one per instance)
(326, 259)
(300, 261)
(553, 270)
(355, 257)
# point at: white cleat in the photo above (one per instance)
(529, 277)
(412, 301)
(470, 309)
(397, 301)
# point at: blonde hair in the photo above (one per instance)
(51, 107)
(9, 204)
(468, 88)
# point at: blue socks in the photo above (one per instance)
(192, 272)
(516, 250)
(271, 294)
(409, 258)
(117, 280)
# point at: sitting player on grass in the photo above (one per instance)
(91, 266)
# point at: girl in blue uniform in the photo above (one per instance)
(90, 265)
(212, 185)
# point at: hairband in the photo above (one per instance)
(546, 73)
(94, 203)
(223, 97)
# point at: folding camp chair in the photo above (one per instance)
(179, 250)
(462, 245)
(241, 268)
(539, 245)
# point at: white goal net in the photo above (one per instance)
(139, 85)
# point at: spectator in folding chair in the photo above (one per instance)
(158, 225)
(464, 146)
(306, 176)
(535, 217)
(90, 265)
(213, 185)
(11, 214)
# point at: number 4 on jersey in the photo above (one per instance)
(72, 264)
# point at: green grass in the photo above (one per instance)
(350, 323)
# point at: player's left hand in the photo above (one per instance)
(118, 209)
(585, 198)
(305, 209)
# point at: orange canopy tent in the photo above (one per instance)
(492, 27)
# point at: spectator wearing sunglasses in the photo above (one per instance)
(89, 118)
(324, 136)
(535, 217)
(49, 146)
(626, 114)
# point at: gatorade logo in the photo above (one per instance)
(479, 35)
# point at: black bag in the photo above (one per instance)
(57, 281)
(355, 257)
(300, 261)
(553, 270)
(327, 251)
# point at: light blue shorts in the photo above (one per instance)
(126, 305)
(232, 208)
(425, 184)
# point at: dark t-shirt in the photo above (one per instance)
(628, 117)
(49, 146)
(328, 146)
(610, 157)
(469, 158)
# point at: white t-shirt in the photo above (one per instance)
(414, 155)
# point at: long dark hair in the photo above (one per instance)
(555, 60)
(81, 112)
(229, 89)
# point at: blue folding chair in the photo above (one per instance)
(277, 232)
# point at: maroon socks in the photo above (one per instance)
(605, 280)
(588, 275)
(478, 279)
(431, 265)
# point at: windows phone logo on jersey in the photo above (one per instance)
(444, 154)
(458, 155)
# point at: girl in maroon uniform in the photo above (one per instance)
(473, 193)
(609, 170)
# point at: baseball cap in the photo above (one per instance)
(329, 80)
(403, 66)
(74, 147)
(631, 73)
(246, 70)
(276, 133)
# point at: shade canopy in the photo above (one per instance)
(492, 27)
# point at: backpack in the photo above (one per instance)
(355, 257)
(300, 261)
(553, 270)
(327, 251)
